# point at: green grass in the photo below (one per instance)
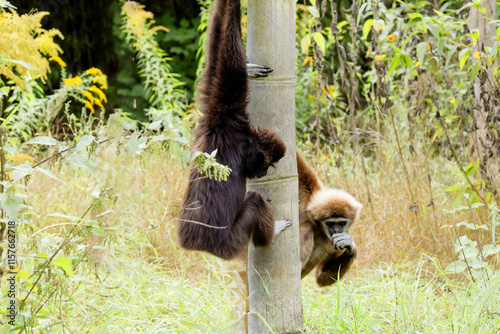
(146, 297)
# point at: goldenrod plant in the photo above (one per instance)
(166, 96)
(25, 45)
(28, 57)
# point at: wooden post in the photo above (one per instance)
(274, 271)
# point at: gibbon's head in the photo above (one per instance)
(271, 145)
(335, 209)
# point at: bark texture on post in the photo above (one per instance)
(274, 271)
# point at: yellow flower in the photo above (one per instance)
(452, 100)
(417, 64)
(379, 57)
(20, 158)
(89, 96)
(99, 92)
(477, 55)
(392, 37)
(73, 81)
(89, 105)
(330, 91)
(94, 71)
(102, 80)
(428, 47)
(98, 102)
(58, 60)
(307, 61)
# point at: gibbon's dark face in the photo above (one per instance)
(336, 225)
(263, 172)
(334, 209)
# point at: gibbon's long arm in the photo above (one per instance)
(225, 87)
(334, 267)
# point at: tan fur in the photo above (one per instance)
(317, 204)
(329, 202)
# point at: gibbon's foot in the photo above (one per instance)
(341, 241)
(280, 225)
(258, 71)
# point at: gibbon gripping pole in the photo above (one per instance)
(274, 271)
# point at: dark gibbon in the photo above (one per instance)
(325, 215)
(220, 217)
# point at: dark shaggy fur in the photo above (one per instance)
(247, 151)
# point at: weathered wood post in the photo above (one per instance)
(274, 272)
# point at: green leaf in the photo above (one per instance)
(182, 140)
(463, 55)
(48, 173)
(21, 171)
(340, 25)
(175, 149)
(11, 204)
(395, 62)
(415, 15)
(454, 188)
(23, 274)
(452, 51)
(439, 13)
(195, 155)
(305, 43)
(474, 71)
(18, 174)
(155, 125)
(379, 25)
(320, 40)
(65, 264)
(206, 165)
(408, 61)
(421, 51)
(455, 267)
(60, 215)
(43, 140)
(368, 26)
(490, 250)
(22, 63)
(433, 29)
(85, 141)
(76, 159)
(314, 11)
(441, 44)
(185, 157)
